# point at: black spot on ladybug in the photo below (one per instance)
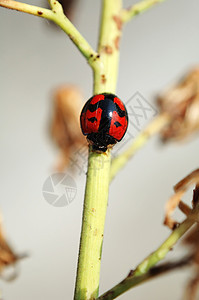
(121, 112)
(92, 120)
(117, 124)
(109, 119)
(101, 104)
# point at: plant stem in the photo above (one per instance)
(97, 184)
(105, 79)
(154, 127)
(57, 16)
(138, 8)
(140, 274)
(27, 8)
(161, 252)
(95, 204)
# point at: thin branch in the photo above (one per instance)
(154, 127)
(57, 16)
(142, 272)
(130, 281)
(30, 9)
(138, 8)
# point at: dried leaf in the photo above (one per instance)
(180, 188)
(182, 104)
(68, 7)
(65, 127)
(7, 256)
(171, 204)
(186, 182)
(192, 288)
(184, 208)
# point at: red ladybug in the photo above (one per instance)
(104, 120)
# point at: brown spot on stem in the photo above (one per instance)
(117, 42)
(103, 78)
(71, 37)
(93, 209)
(40, 13)
(96, 57)
(108, 49)
(118, 22)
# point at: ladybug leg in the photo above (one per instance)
(98, 142)
(99, 148)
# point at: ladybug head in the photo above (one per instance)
(100, 141)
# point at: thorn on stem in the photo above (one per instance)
(131, 273)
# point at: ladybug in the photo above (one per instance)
(104, 120)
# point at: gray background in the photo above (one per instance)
(156, 49)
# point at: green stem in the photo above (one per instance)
(57, 16)
(63, 22)
(154, 127)
(138, 8)
(97, 184)
(95, 204)
(27, 8)
(140, 274)
(161, 252)
(105, 78)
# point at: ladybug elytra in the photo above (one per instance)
(104, 120)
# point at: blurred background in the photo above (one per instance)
(35, 57)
